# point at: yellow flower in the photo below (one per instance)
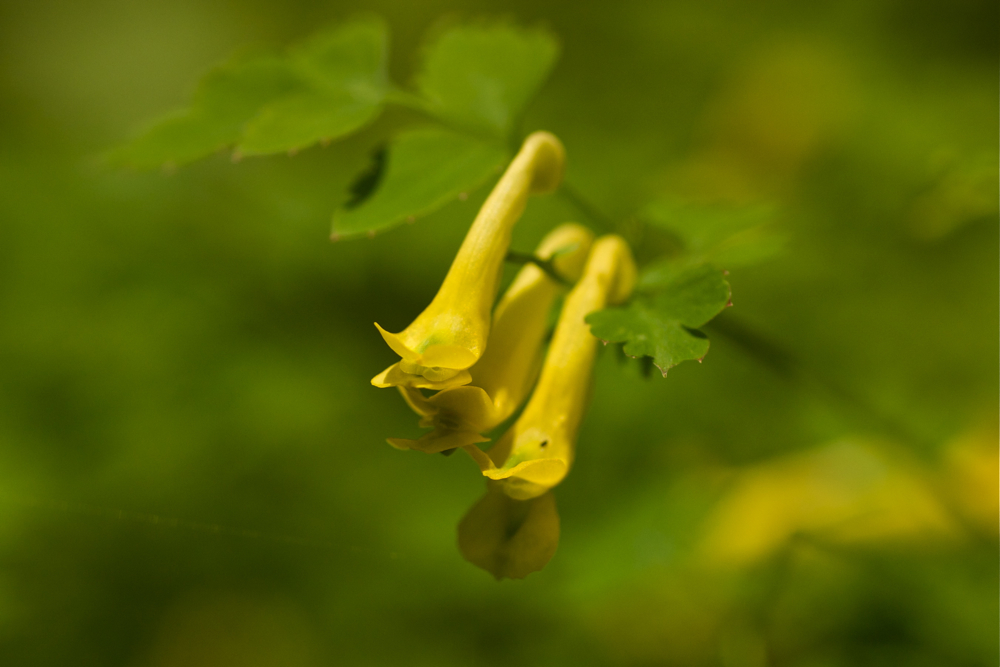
(538, 450)
(507, 537)
(451, 334)
(503, 377)
(848, 492)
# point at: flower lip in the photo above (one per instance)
(394, 376)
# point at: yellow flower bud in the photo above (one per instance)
(507, 537)
(503, 377)
(450, 335)
(538, 450)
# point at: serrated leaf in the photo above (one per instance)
(226, 99)
(663, 325)
(482, 77)
(424, 170)
(726, 235)
(299, 121)
(342, 85)
(352, 58)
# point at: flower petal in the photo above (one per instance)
(394, 376)
(439, 441)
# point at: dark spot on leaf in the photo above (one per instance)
(695, 332)
(543, 443)
(647, 366)
(366, 182)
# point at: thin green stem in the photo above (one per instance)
(546, 265)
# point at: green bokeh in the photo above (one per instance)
(193, 468)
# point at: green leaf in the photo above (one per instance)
(329, 86)
(296, 122)
(352, 58)
(226, 99)
(343, 82)
(725, 235)
(482, 77)
(424, 170)
(663, 324)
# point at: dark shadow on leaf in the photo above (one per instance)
(695, 332)
(366, 182)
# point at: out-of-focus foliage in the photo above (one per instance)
(192, 468)
(483, 77)
(476, 79)
(730, 236)
(324, 88)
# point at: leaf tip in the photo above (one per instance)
(370, 234)
(334, 237)
(236, 157)
(462, 196)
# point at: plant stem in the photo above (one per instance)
(522, 258)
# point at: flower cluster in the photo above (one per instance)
(482, 363)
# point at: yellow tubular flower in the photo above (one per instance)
(537, 452)
(502, 378)
(451, 334)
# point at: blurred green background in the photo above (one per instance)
(192, 461)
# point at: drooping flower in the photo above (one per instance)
(538, 450)
(503, 377)
(450, 335)
(507, 537)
